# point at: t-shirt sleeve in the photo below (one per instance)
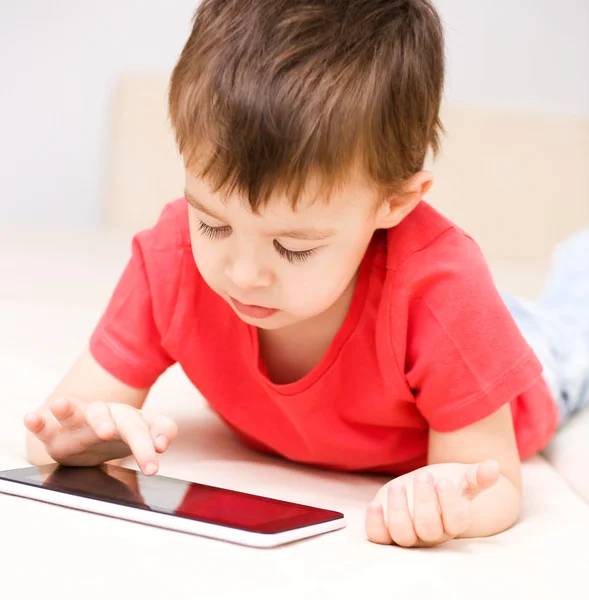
(127, 341)
(465, 355)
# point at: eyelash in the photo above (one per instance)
(215, 233)
(292, 256)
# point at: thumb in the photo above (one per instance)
(480, 477)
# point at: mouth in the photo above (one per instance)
(253, 311)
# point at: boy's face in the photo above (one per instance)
(282, 266)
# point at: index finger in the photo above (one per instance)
(135, 433)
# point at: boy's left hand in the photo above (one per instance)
(429, 506)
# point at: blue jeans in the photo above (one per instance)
(556, 325)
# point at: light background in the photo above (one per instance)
(61, 59)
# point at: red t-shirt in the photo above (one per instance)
(427, 342)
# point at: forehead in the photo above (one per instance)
(351, 197)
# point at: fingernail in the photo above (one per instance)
(150, 468)
(105, 429)
(395, 491)
(423, 478)
(161, 441)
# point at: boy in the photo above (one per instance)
(326, 312)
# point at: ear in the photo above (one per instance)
(398, 206)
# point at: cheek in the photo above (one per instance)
(207, 260)
(316, 286)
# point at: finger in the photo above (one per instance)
(43, 429)
(69, 416)
(427, 519)
(399, 520)
(100, 419)
(135, 433)
(376, 530)
(163, 432)
(480, 477)
(455, 508)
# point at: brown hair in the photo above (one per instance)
(268, 93)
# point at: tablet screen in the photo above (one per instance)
(174, 497)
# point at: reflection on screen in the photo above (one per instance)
(212, 504)
(173, 496)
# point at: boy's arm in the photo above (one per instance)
(498, 507)
(85, 382)
(470, 488)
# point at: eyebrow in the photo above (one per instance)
(306, 233)
(200, 206)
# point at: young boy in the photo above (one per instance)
(327, 313)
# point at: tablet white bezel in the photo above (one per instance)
(176, 523)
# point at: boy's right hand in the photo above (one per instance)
(87, 434)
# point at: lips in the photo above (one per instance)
(253, 311)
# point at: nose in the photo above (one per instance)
(246, 273)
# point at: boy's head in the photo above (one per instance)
(304, 126)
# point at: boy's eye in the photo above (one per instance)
(291, 256)
(294, 257)
(213, 232)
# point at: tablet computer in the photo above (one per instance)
(176, 504)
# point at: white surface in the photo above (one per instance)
(52, 289)
(61, 59)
